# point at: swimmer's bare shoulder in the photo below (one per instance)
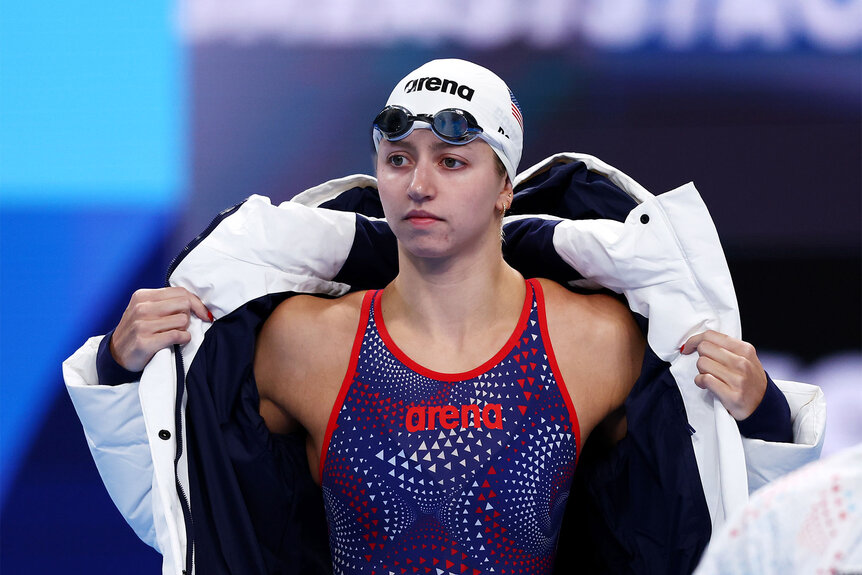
(301, 358)
(599, 349)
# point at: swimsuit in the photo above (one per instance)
(428, 472)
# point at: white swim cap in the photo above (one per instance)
(446, 84)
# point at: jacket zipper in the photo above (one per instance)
(185, 503)
(200, 237)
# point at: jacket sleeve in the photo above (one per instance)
(768, 460)
(118, 443)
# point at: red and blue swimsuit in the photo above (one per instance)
(427, 472)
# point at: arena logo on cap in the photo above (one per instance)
(433, 84)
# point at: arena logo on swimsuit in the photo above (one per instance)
(433, 84)
(449, 417)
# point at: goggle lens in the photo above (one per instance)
(452, 125)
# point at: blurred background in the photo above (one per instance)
(125, 127)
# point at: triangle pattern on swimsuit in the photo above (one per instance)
(433, 473)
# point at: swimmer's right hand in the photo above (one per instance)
(153, 320)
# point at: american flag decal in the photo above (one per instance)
(516, 110)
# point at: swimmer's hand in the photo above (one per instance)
(154, 319)
(729, 368)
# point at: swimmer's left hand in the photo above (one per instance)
(729, 368)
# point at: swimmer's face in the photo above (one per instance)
(440, 198)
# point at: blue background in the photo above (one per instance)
(120, 138)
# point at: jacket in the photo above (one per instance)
(188, 461)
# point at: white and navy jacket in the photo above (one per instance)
(189, 463)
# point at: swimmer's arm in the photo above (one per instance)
(621, 345)
(600, 349)
(277, 366)
(302, 354)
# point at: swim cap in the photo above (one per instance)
(452, 83)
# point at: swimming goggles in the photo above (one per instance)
(451, 125)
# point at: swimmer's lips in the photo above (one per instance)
(421, 218)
